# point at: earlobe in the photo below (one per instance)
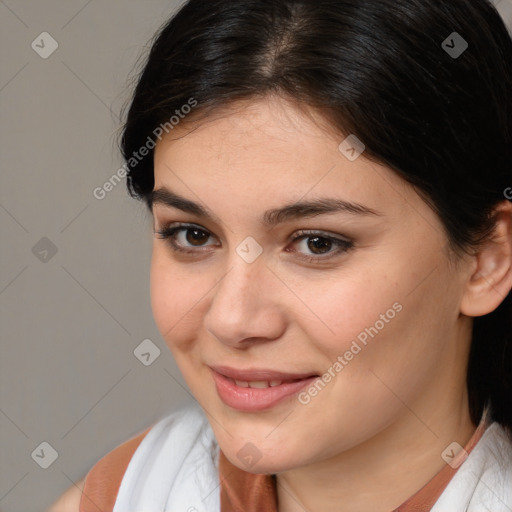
(491, 280)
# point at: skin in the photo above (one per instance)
(70, 500)
(374, 435)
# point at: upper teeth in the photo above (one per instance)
(258, 383)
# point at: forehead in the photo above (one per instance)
(269, 151)
(240, 130)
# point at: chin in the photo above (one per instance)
(266, 465)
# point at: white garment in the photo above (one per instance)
(175, 469)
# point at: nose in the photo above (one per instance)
(245, 308)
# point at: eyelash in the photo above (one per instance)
(168, 233)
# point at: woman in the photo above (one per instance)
(332, 263)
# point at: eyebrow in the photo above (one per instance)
(298, 210)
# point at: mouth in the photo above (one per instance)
(257, 390)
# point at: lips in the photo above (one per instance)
(259, 374)
(257, 389)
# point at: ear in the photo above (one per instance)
(491, 279)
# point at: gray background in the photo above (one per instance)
(72, 320)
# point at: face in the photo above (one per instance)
(341, 310)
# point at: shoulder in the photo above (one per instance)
(103, 480)
(70, 500)
(176, 462)
(483, 480)
(99, 490)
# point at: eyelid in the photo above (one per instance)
(168, 231)
(292, 237)
(344, 244)
(320, 233)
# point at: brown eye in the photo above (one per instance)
(183, 237)
(315, 246)
(196, 236)
(319, 245)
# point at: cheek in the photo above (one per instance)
(380, 299)
(162, 291)
(175, 298)
(378, 327)
(390, 339)
(342, 309)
